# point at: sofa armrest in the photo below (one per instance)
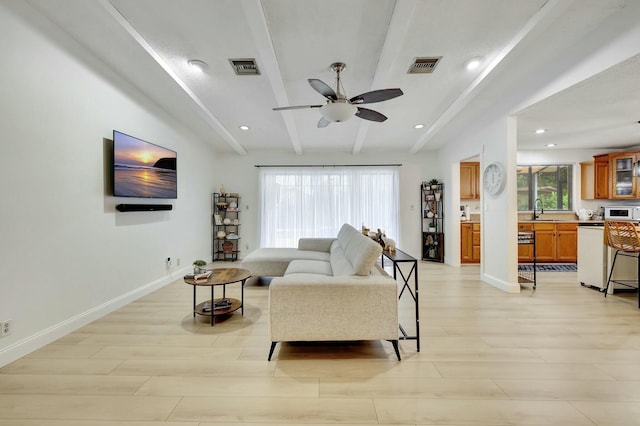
(315, 244)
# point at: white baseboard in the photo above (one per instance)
(51, 334)
(501, 284)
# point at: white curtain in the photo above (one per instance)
(316, 201)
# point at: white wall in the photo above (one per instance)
(495, 142)
(414, 170)
(67, 256)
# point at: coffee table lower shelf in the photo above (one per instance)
(200, 307)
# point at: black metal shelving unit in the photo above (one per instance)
(225, 218)
(432, 211)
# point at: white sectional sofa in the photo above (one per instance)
(328, 289)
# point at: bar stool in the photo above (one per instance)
(623, 237)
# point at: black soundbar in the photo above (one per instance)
(143, 207)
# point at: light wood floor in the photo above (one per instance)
(562, 355)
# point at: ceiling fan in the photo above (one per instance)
(340, 108)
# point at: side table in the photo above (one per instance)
(399, 257)
(220, 276)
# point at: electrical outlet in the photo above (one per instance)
(5, 328)
(169, 262)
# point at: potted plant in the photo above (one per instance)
(434, 183)
(198, 266)
(432, 226)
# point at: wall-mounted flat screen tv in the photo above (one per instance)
(142, 169)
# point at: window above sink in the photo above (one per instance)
(550, 183)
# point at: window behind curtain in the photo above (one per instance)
(551, 183)
(316, 201)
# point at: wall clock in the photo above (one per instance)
(494, 178)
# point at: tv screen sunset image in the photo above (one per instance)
(142, 169)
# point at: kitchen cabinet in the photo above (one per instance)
(601, 176)
(470, 242)
(566, 242)
(545, 241)
(587, 183)
(470, 180)
(525, 251)
(555, 242)
(621, 165)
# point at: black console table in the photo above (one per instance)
(399, 257)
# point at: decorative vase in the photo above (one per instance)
(227, 247)
(438, 195)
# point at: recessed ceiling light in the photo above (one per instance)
(243, 127)
(540, 131)
(197, 64)
(418, 126)
(473, 63)
(551, 145)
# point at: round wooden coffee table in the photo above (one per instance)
(224, 305)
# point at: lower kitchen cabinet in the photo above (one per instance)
(470, 243)
(566, 242)
(525, 251)
(545, 241)
(555, 242)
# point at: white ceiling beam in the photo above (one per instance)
(208, 115)
(257, 21)
(396, 33)
(549, 10)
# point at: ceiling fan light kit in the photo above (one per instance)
(338, 111)
(338, 107)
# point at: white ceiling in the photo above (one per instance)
(148, 43)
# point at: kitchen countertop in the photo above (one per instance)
(579, 222)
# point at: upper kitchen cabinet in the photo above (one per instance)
(623, 184)
(470, 180)
(601, 176)
(587, 183)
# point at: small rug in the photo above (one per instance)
(555, 267)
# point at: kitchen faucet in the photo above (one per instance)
(535, 204)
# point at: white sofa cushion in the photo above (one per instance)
(273, 262)
(361, 251)
(339, 262)
(318, 267)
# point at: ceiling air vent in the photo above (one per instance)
(245, 66)
(424, 65)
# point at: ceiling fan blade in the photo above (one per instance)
(323, 88)
(297, 107)
(369, 114)
(323, 123)
(376, 96)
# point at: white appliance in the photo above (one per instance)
(622, 213)
(595, 258)
(464, 212)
